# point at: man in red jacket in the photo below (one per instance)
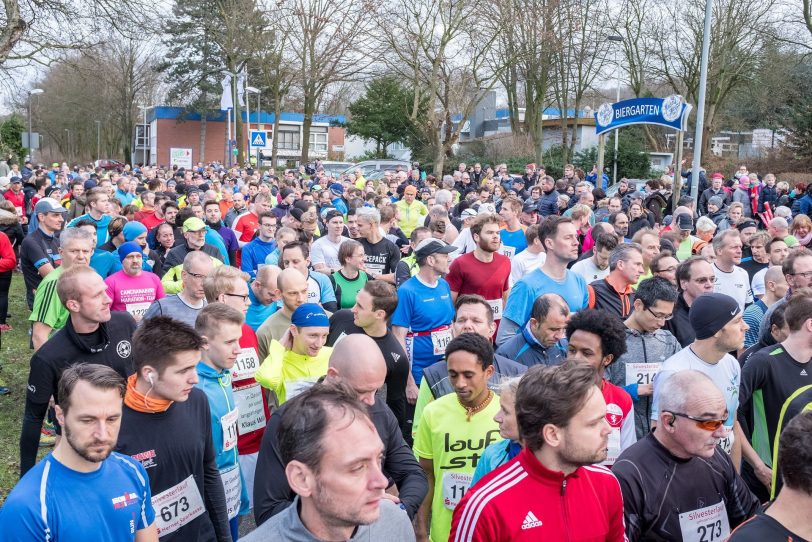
(552, 490)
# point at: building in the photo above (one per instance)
(175, 138)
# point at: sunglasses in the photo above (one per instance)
(707, 425)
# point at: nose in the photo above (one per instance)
(102, 432)
(193, 378)
(367, 398)
(721, 432)
(377, 478)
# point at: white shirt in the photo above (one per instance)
(589, 271)
(464, 243)
(324, 251)
(757, 285)
(736, 284)
(524, 262)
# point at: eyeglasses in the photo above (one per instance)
(198, 276)
(663, 317)
(707, 425)
(244, 297)
(805, 274)
(667, 269)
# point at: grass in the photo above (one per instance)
(14, 359)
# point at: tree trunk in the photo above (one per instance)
(238, 135)
(309, 108)
(202, 152)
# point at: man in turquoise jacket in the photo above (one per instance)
(220, 326)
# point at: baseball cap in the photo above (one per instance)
(685, 222)
(468, 213)
(4, 182)
(48, 205)
(529, 207)
(717, 176)
(16, 179)
(430, 246)
(746, 223)
(193, 224)
(331, 214)
(711, 312)
(487, 208)
(309, 315)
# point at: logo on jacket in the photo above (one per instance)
(124, 348)
(531, 521)
(125, 500)
(614, 414)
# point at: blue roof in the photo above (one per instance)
(166, 112)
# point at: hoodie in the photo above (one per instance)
(224, 415)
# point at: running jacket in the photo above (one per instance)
(524, 501)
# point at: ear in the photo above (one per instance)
(205, 345)
(293, 331)
(300, 478)
(73, 305)
(489, 370)
(551, 435)
(638, 305)
(60, 415)
(607, 360)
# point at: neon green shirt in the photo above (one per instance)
(288, 374)
(454, 444)
(48, 309)
(411, 215)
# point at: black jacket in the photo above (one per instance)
(178, 253)
(272, 494)
(436, 375)
(680, 325)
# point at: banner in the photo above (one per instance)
(671, 112)
(180, 157)
(226, 102)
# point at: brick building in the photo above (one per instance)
(171, 137)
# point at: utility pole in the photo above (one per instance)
(617, 40)
(32, 92)
(700, 107)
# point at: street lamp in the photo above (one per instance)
(616, 39)
(700, 106)
(252, 90)
(32, 92)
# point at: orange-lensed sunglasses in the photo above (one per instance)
(707, 425)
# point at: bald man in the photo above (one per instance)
(264, 293)
(357, 361)
(292, 287)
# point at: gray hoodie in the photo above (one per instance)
(641, 348)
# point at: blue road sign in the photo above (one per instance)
(259, 140)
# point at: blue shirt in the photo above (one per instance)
(216, 240)
(319, 288)
(494, 456)
(102, 235)
(524, 293)
(514, 239)
(125, 198)
(273, 257)
(53, 502)
(257, 312)
(105, 263)
(254, 255)
(422, 308)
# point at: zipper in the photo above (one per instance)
(230, 408)
(566, 522)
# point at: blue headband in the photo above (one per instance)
(128, 248)
(310, 315)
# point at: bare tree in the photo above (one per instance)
(277, 73)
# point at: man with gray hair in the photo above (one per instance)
(187, 304)
(731, 279)
(614, 293)
(778, 227)
(677, 479)
(382, 255)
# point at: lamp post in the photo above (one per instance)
(252, 90)
(32, 92)
(616, 39)
(700, 106)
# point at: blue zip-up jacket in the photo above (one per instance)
(524, 348)
(254, 254)
(216, 240)
(217, 387)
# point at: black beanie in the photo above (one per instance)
(711, 312)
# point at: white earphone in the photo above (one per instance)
(149, 377)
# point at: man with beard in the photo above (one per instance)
(484, 271)
(553, 490)
(238, 208)
(214, 221)
(676, 482)
(115, 496)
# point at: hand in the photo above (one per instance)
(764, 475)
(411, 391)
(287, 340)
(644, 390)
(392, 498)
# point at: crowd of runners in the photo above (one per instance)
(482, 356)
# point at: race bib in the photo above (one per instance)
(709, 524)
(251, 409)
(177, 506)
(229, 425)
(727, 442)
(137, 310)
(496, 307)
(19, 211)
(246, 365)
(439, 340)
(231, 487)
(613, 448)
(295, 387)
(507, 250)
(641, 373)
(455, 484)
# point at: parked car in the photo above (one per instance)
(109, 165)
(368, 166)
(334, 169)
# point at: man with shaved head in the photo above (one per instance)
(293, 290)
(357, 362)
(263, 293)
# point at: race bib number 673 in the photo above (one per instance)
(177, 506)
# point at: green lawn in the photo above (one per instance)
(14, 358)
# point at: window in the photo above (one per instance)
(318, 139)
(288, 140)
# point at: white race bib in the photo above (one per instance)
(295, 387)
(709, 524)
(455, 484)
(232, 487)
(641, 373)
(229, 425)
(246, 365)
(177, 506)
(507, 250)
(496, 307)
(613, 447)
(252, 411)
(439, 340)
(726, 442)
(137, 309)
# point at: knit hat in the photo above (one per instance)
(285, 192)
(309, 315)
(711, 312)
(717, 201)
(133, 229)
(410, 189)
(336, 189)
(128, 248)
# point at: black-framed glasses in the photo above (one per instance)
(702, 423)
(660, 316)
(244, 297)
(195, 275)
(805, 274)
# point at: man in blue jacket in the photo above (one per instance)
(255, 252)
(548, 203)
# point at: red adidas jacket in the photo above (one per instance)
(524, 501)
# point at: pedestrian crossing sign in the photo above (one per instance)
(259, 140)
